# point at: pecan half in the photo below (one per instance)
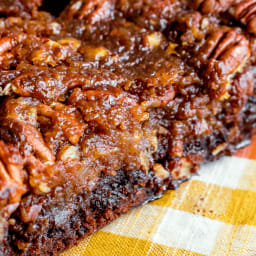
(63, 118)
(19, 7)
(32, 137)
(9, 42)
(51, 53)
(93, 11)
(211, 6)
(11, 174)
(21, 122)
(245, 12)
(224, 52)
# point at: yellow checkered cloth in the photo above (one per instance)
(212, 214)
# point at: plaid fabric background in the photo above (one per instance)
(212, 214)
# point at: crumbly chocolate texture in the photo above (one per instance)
(109, 104)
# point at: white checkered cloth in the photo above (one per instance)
(212, 214)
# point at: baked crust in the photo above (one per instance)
(109, 104)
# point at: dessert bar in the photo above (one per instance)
(109, 103)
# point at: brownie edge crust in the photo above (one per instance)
(108, 104)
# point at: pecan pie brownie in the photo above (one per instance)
(108, 104)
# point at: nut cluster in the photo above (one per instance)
(245, 12)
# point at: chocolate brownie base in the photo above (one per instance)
(76, 216)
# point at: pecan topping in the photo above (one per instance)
(94, 11)
(104, 108)
(224, 44)
(11, 174)
(41, 132)
(50, 53)
(211, 6)
(32, 137)
(224, 52)
(245, 12)
(14, 7)
(7, 43)
(22, 123)
(53, 84)
(64, 118)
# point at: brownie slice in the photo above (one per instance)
(109, 104)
